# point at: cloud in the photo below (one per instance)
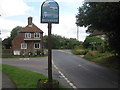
(66, 27)
(13, 7)
(7, 25)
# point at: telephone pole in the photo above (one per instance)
(77, 32)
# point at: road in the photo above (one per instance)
(83, 73)
(71, 70)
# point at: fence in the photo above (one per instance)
(7, 52)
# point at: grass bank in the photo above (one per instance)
(104, 59)
(20, 56)
(23, 78)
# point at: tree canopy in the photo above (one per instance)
(59, 42)
(7, 42)
(91, 42)
(15, 31)
(104, 17)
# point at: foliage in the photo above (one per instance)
(105, 59)
(15, 31)
(59, 42)
(23, 78)
(7, 42)
(104, 17)
(93, 43)
(79, 52)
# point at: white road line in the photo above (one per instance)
(24, 58)
(68, 81)
(83, 67)
(64, 51)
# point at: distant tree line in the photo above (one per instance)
(59, 42)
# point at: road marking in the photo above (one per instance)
(24, 58)
(80, 65)
(64, 51)
(83, 67)
(68, 81)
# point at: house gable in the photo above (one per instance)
(29, 35)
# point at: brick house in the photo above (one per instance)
(28, 40)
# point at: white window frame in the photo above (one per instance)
(38, 45)
(27, 35)
(24, 47)
(35, 34)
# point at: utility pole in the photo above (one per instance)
(77, 32)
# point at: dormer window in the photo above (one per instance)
(27, 35)
(36, 35)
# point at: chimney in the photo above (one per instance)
(29, 20)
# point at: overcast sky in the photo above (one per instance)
(15, 13)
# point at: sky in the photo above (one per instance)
(16, 12)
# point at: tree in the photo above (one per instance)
(7, 42)
(59, 42)
(102, 17)
(93, 43)
(15, 31)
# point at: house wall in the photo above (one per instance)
(16, 44)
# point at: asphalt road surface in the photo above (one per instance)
(71, 70)
(83, 73)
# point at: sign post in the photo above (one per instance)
(49, 53)
(50, 14)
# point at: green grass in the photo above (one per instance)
(23, 78)
(79, 51)
(19, 56)
(105, 59)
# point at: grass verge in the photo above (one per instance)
(19, 56)
(23, 78)
(104, 59)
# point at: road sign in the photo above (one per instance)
(50, 12)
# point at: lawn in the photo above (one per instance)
(23, 78)
(20, 56)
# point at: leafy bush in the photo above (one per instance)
(79, 52)
(92, 53)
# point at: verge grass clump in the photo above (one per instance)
(24, 78)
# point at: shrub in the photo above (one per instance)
(79, 52)
(92, 53)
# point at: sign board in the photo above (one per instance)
(50, 12)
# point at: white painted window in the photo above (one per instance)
(23, 45)
(27, 35)
(37, 45)
(36, 35)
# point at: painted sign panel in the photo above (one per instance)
(50, 12)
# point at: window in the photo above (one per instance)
(27, 35)
(37, 45)
(36, 35)
(23, 45)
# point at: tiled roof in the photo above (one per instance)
(31, 28)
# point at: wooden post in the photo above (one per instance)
(49, 53)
